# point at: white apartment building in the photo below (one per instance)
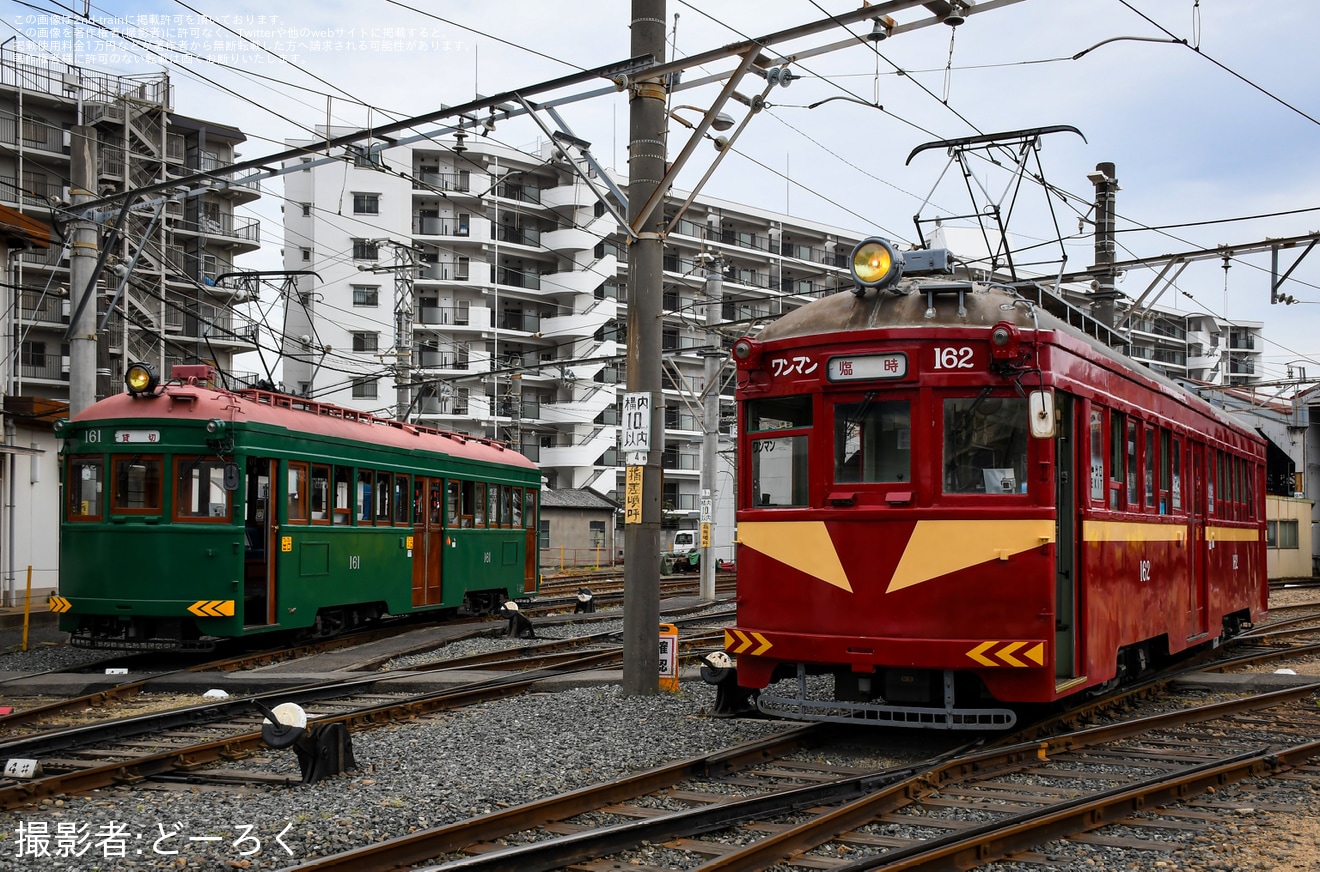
(491, 283)
(171, 308)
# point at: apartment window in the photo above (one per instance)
(366, 295)
(364, 388)
(365, 249)
(366, 204)
(306, 162)
(34, 354)
(306, 254)
(307, 210)
(366, 341)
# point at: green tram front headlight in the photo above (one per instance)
(875, 263)
(140, 379)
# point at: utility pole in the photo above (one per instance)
(710, 422)
(82, 273)
(1106, 186)
(646, 167)
(405, 268)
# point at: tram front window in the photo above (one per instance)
(872, 441)
(985, 445)
(779, 450)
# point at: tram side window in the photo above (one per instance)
(1097, 456)
(529, 508)
(1116, 457)
(199, 489)
(320, 494)
(1133, 499)
(452, 499)
(364, 501)
(1251, 490)
(84, 487)
(401, 501)
(384, 492)
(1149, 448)
(1177, 479)
(492, 505)
(137, 485)
(469, 491)
(873, 441)
(985, 445)
(342, 512)
(478, 507)
(296, 495)
(1210, 482)
(779, 450)
(1166, 466)
(516, 520)
(1221, 486)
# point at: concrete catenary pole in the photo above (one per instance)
(82, 269)
(710, 423)
(1106, 292)
(646, 167)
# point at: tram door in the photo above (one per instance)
(1199, 545)
(259, 531)
(1066, 483)
(428, 539)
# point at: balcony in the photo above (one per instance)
(43, 308)
(448, 182)
(577, 411)
(582, 454)
(583, 324)
(37, 135)
(239, 232)
(451, 229)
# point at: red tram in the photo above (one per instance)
(955, 503)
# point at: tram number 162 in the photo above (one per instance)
(953, 357)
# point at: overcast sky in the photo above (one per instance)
(1221, 126)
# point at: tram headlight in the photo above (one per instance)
(141, 378)
(215, 428)
(875, 263)
(1004, 340)
(747, 352)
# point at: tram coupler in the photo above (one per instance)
(730, 700)
(586, 602)
(323, 750)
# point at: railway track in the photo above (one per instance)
(129, 750)
(755, 806)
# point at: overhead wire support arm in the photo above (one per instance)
(559, 139)
(698, 132)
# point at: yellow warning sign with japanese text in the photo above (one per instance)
(632, 497)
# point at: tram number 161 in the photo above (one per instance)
(956, 357)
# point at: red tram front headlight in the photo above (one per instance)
(875, 263)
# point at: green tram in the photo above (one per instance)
(193, 514)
